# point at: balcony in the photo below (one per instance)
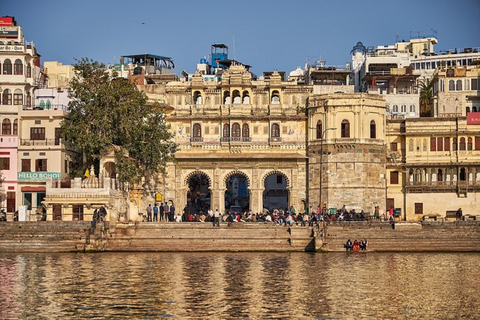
(44, 142)
(61, 107)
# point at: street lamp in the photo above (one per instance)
(321, 167)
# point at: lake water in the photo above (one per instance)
(240, 286)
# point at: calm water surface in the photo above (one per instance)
(240, 286)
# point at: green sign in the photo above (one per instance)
(42, 176)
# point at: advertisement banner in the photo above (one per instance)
(473, 118)
(38, 176)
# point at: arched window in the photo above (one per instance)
(7, 66)
(454, 144)
(29, 100)
(15, 127)
(6, 127)
(395, 108)
(236, 97)
(18, 67)
(246, 97)
(462, 143)
(197, 130)
(197, 98)
(373, 130)
(226, 98)
(440, 175)
(42, 104)
(275, 97)
(345, 129)
(459, 85)
(470, 143)
(468, 110)
(245, 131)
(412, 108)
(235, 130)
(7, 97)
(275, 130)
(404, 108)
(319, 129)
(18, 97)
(451, 85)
(226, 130)
(29, 71)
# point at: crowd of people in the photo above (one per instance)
(356, 245)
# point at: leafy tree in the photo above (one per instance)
(108, 112)
(426, 97)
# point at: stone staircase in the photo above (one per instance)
(43, 236)
(425, 236)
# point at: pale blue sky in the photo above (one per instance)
(268, 34)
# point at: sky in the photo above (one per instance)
(268, 35)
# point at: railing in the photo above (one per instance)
(275, 139)
(51, 107)
(44, 142)
(196, 139)
(235, 139)
(442, 183)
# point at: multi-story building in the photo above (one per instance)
(20, 75)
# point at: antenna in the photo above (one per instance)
(234, 55)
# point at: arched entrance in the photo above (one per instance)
(198, 194)
(237, 191)
(275, 194)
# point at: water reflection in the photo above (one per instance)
(240, 286)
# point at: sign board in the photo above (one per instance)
(158, 197)
(6, 21)
(12, 48)
(473, 118)
(8, 32)
(39, 176)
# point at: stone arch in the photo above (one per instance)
(276, 192)
(194, 173)
(237, 172)
(269, 173)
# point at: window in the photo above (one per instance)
(27, 200)
(439, 175)
(454, 144)
(4, 163)
(226, 130)
(7, 97)
(418, 208)
(451, 85)
(477, 143)
(37, 133)
(236, 130)
(470, 144)
(447, 144)
(345, 129)
(394, 177)
(462, 143)
(275, 130)
(439, 144)
(197, 98)
(412, 108)
(77, 212)
(404, 108)
(373, 130)
(18, 97)
(474, 84)
(29, 71)
(433, 144)
(245, 131)
(319, 129)
(197, 130)
(7, 66)
(18, 67)
(236, 97)
(275, 97)
(26, 167)
(393, 146)
(15, 127)
(395, 108)
(246, 97)
(459, 85)
(463, 174)
(41, 165)
(6, 127)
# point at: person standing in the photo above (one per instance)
(149, 213)
(155, 213)
(166, 210)
(162, 212)
(172, 213)
(216, 218)
(459, 214)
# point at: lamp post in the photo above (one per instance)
(321, 167)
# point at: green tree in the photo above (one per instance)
(108, 112)
(426, 97)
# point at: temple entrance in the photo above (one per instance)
(199, 195)
(275, 195)
(237, 193)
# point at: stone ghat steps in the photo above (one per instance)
(41, 246)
